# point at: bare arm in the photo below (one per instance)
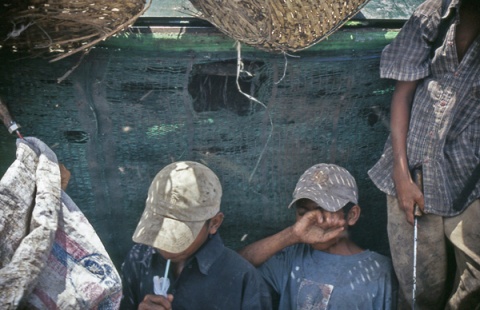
(259, 252)
(407, 192)
(312, 228)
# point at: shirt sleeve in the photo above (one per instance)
(256, 295)
(407, 57)
(276, 270)
(388, 286)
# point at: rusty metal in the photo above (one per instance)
(7, 119)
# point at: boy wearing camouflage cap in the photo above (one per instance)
(313, 264)
(180, 225)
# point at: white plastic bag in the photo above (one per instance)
(50, 255)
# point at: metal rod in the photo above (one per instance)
(418, 179)
(415, 243)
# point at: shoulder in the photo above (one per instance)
(139, 254)
(296, 250)
(429, 8)
(232, 258)
(426, 18)
(289, 255)
(379, 256)
(380, 262)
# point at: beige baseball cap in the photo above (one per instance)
(329, 185)
(181, 197)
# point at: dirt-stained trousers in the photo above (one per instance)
(434, 231)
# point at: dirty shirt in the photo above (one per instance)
(305, 278)
(214, 278)
(444, 129)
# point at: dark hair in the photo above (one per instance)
(346, 208)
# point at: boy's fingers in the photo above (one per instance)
(156, 302)
(313, 217)
(330, 234)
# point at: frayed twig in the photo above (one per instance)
(17, 32)
(61, 79)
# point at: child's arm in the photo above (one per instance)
(310, 228)
(407, 192)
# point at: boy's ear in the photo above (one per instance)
(215, 223)
(353, 215)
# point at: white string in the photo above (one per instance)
(240, 69)
(285, 54)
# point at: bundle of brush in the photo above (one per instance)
(278, 25)
(59, 28)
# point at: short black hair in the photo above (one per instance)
(346, 208)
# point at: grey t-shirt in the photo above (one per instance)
(305, 278)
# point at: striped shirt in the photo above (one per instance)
(444, 129)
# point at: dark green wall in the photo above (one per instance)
(142, 100)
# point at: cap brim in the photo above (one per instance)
(304, 196)
(167, 234)
(331, 206)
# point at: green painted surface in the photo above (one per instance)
(133, 97)
(374, 9)
(168, 39)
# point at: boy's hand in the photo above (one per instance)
(64, 176)
(408, 194)
(319, 227)
(156, 302)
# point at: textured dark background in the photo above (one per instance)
(123, 114)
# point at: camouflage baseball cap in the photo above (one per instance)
(329, 185)
(181, 197)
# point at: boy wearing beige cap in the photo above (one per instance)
(179, 228)
(313, 264)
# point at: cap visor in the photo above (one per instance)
(167, 234)
(327, 204)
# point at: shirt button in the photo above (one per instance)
(443, 103)
(430, 133)
(456, 74)
(450, 43)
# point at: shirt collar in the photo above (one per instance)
(209, 253)
(205, 256)
(453, 5)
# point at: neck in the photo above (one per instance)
(178, 267)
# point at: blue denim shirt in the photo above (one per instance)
(214, 278)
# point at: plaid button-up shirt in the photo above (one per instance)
(444, 129)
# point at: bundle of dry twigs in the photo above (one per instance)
(59, 28)
(278, 25)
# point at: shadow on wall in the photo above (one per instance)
(121, 116)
